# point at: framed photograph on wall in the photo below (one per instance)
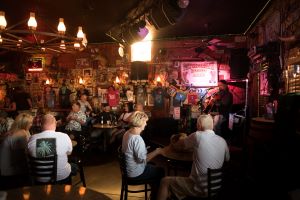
(150, 100)
(87, 72)
(90, 89)
(28, 76)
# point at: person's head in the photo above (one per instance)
(139, 107)
(106, 107)
(22, 121)
(76, 106)
(222, 84)
(48, 122)
(83, 97)
(111, 88)
(205, 122)
(139, 119)
(128, 107)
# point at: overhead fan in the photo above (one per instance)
(216, 45)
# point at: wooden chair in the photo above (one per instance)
(214, 184)
(126, 181)
(43, 170)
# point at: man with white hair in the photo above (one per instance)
(209, 151)
(50, 142)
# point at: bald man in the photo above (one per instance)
(50, 142)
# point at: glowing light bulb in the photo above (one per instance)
(3, 22)
(81, 81)
(80, 33)
(117, 80)
(32, 24)
(61, 26)
(62, 45)
(158, 79)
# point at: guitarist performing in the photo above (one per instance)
(220, 103)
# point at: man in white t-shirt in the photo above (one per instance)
(50, 142)
(209, 151)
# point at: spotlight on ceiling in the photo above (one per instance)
(183, 3)
(136, 32)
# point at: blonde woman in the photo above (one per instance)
(134, 148)
(13, 145)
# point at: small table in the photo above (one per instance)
(177, 159)
(105, 126)
(65, 192)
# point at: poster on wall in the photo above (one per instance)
(199, 73)
(263, 83)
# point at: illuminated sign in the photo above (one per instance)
(199, 74)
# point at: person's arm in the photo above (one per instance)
(29, 102)
(70, 117)
(153, 154)
(227, 154)
(69, 145)
(81, 119)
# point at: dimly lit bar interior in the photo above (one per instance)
(149, 99)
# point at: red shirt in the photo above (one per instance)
(113, 98)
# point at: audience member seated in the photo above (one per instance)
(134, 148)
(96, 106)
(36, 125)
(22, 99)
(13, 145)
(140, 107)
(75, 120)
(10, 107)
(123, 122)
(57, 143)
(84, 104)
(210, 151)
(5, 122)
(105, 117)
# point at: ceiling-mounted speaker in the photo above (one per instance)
(139, 71)
(239, 63)
(165, 13)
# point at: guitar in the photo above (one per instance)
(210, 103)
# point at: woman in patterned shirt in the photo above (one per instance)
(76, 118)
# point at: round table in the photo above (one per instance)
(177, 160)
(65, 192)
(105, 126)
(169, 153)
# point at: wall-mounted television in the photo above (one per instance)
(35, 64)
(199, 73)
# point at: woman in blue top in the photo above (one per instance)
(134, 148)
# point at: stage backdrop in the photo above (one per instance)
(199, 73)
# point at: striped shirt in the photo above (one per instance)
(210, 151)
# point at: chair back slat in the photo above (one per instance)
(214, 181)
(122, 162)
(43, 169)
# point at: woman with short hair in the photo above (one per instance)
(134, 148)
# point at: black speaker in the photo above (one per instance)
(165, 13)
(239, 63)
(139, 71)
